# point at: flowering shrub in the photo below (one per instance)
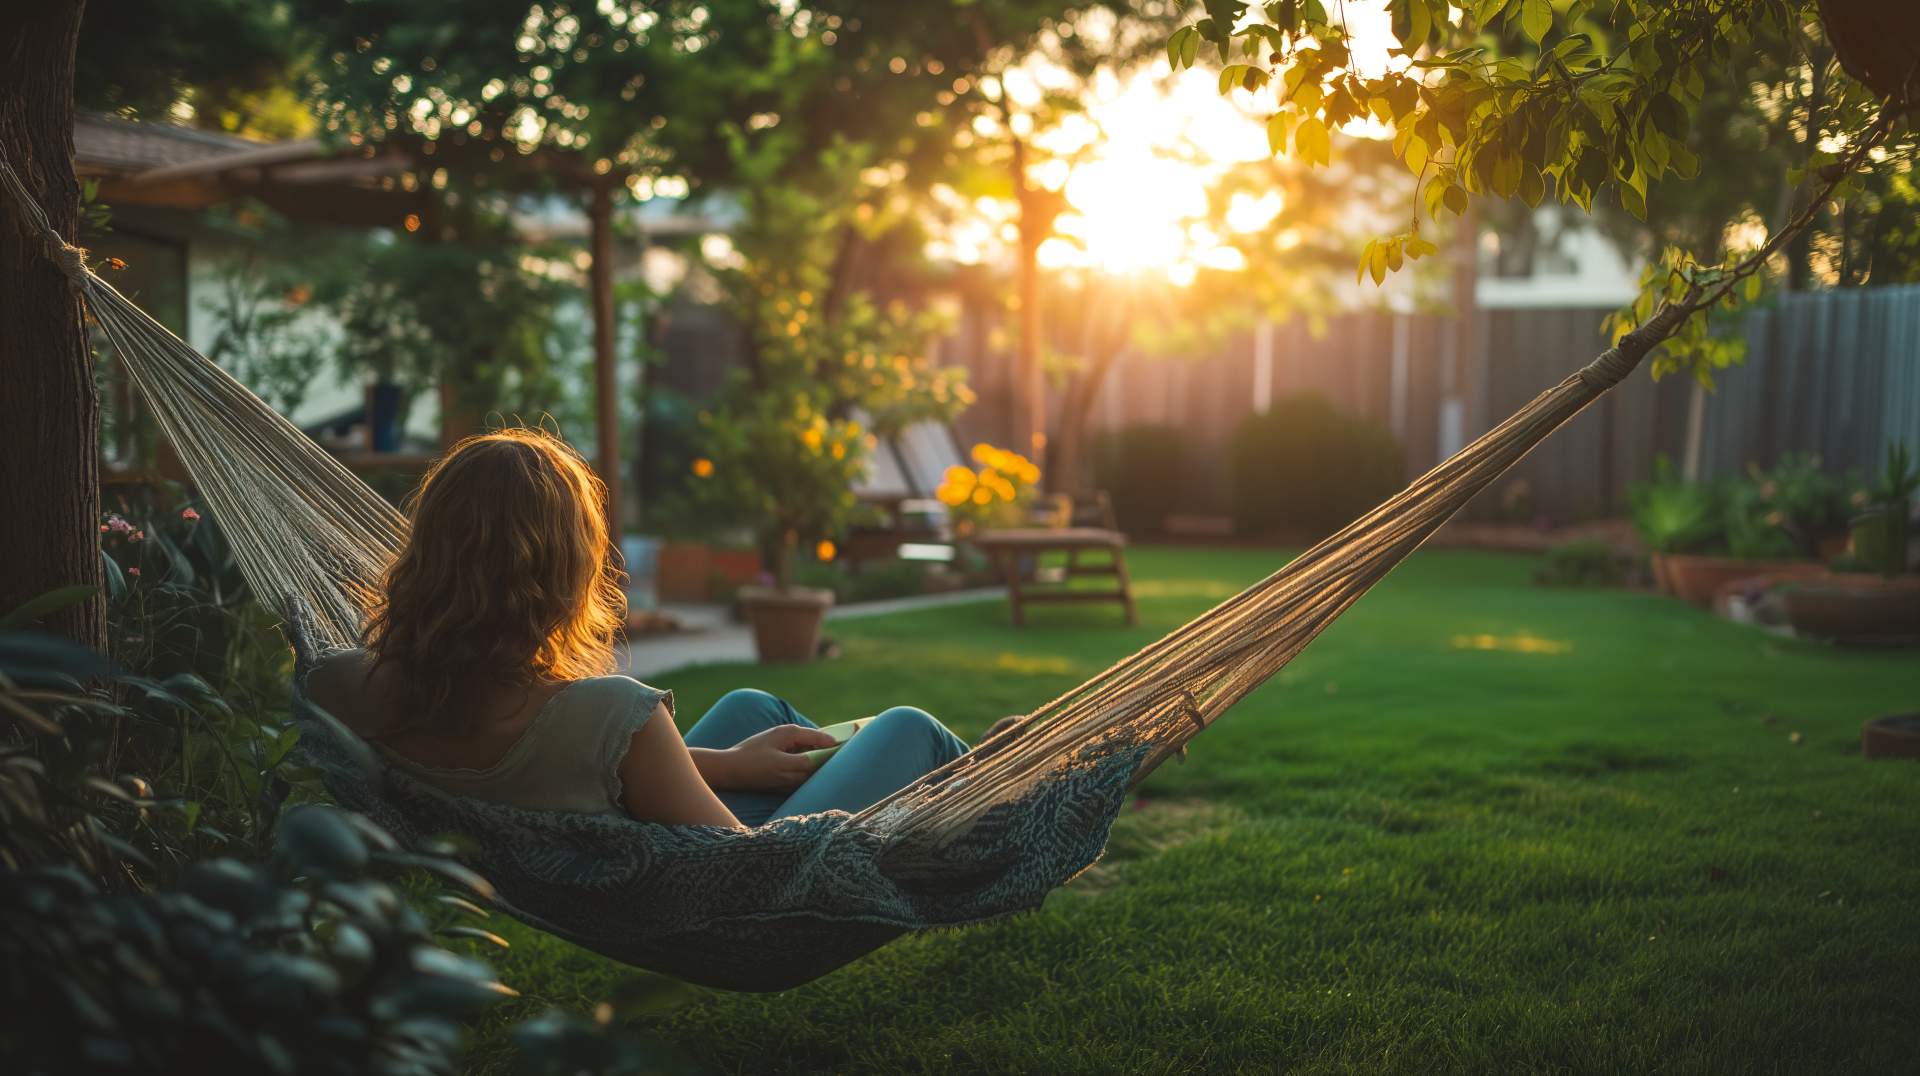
(995, 496)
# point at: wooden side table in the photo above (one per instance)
(1010, 545)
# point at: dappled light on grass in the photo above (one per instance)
(1521, 643)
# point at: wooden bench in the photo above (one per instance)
(1010, 545)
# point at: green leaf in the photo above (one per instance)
(1312, 142)
(1456, 200)
(1533, 186)
(1685, 162)
(1506, 175)
(1669, 117)
(1177, 47)
(116, 579)
(1536, 18)
(1633, 201)
(1753, 287)
(1190, 50)
(1277, 133)
(1433, 194)
(1311, 11)
(51, 602)
(1412, 22)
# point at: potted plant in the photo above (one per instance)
(784, 440)
(1877, 601)
(1703, 537)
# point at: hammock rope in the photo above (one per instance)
(313, 541)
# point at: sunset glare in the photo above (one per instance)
(1137, 164)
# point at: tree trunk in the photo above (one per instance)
(1030, 390)
(606, 390)
(49, 444)
(1068, 452)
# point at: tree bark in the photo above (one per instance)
(49, 444)
(605, 385)
(1030, 416)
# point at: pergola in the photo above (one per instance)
(365, 184)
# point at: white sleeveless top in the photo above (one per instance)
(568, 759)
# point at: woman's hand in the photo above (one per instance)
(770, 761)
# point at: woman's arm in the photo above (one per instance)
(659, 782)
(770, 761)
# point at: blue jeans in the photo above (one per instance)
(900, 746)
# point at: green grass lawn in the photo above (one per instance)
(1400, 855)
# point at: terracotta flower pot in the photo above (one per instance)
(786, 623)
(682, 572)
(1694, 579)
(1893, 736)
(1856, 609)
(737, 567)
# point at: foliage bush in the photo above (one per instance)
(176, 920)
(876, 581)
(1778, 514)
(305, 964)
(207, 717)
(1673, 515)
(1305, 464)
(1140, 468)
(1580, 564)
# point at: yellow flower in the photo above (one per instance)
(811, 437)
(983, 495)
(824, 551)
(955, 486)
(839, 450)
(702, 468)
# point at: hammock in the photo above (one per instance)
(984, 837)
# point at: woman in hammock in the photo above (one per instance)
(484, 672)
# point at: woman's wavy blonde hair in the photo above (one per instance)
(505, 579)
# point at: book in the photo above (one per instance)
(841, 733)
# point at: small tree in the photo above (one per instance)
(786, 440)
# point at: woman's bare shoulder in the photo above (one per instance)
(343, 685)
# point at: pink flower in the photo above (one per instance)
(103, 528)
(115, 522)
(190, 515)
(139, 536)
(133, 638)
(133, 571)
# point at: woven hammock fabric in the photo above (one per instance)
(985, 836)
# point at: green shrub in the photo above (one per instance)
(874, 581)
(1140, 468)
(1580, 564)
(1305, 464)
(1673, 515)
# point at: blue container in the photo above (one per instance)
(383, 417)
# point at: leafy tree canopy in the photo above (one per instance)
(1522, 98)
(233, 65)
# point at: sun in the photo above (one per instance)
(1137, 164)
